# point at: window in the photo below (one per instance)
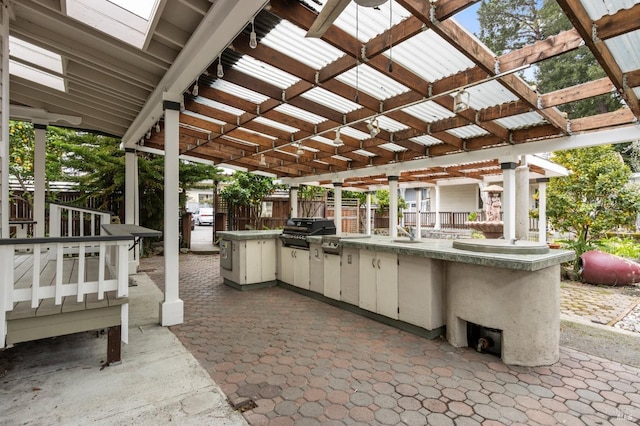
(35, 64)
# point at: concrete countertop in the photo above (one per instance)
(443, 250)
(249, 235)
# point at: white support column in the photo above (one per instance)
(418, 213)
(172, 308)
(402, 194)
(131, 202)
(4, 123)
(39, 177)
(438, 224)
(337, 206)
(368, 227)
(293, 200)
(509, 202)
(542, 209)
(522, 200)
(393, 206)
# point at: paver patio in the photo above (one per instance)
(305, 362)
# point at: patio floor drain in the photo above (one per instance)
(244, 405)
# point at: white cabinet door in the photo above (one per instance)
(301, 268)
(368, 287)
(332, 276)
(253, 267)
(268, 260)
(387, 284)
(286, 265)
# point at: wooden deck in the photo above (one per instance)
(83, 310)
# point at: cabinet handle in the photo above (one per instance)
(378, 263)
(373, 263)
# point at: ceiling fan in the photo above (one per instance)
(330, 12)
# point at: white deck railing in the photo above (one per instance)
(75, 216)
(35, 269)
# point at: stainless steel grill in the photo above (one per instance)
(296, 231)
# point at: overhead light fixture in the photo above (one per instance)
(149, 134)
(374, 127)
(220, 72)
(195, 90)
(158, 127)
(299, 151)
(338, 140)
(263, 161)
(253, 39)
(461, 101)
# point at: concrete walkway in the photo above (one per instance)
(61, 381)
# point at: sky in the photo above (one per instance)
(468, 18)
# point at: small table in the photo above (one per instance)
(137, 231)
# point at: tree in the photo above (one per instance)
(309, 196)
(248, 190)
(97, 165)
(594, 198)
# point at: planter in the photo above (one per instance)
(597, 267)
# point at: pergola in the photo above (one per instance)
(402, 92)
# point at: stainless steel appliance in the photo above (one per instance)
(226, 254)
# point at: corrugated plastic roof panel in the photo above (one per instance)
(312, 52)
(426, 140)
(204, 117)
(354, 133)
(468, 132)
(322, 139)
(429, 56)
(391, 125)
(392, 147)
(625, 50)
(489, 94)
(521, 120)
(239, 91)
(275, 124)
(364, 153)
(331, 100)
(597, 9)
(429, 112)
(219, 106)
(300, 113)
(371, 21)
(372, 82)
(265, 72)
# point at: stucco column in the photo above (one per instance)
(542, 209)
(522, 201)
(438, 224)
(337, 205)
(368, 226)
(131, 201)
(172, 308)
(39, 178)
(509, 201)
(393, 205)
(419, 213)
(293, 200)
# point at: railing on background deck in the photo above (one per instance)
(75, 221)
(20, 258)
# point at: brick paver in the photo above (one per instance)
(306, 362)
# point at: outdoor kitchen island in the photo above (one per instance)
(505, 303)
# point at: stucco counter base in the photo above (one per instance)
(524, 305)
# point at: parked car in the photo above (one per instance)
(204, 216)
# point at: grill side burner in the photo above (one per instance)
(296, 231)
